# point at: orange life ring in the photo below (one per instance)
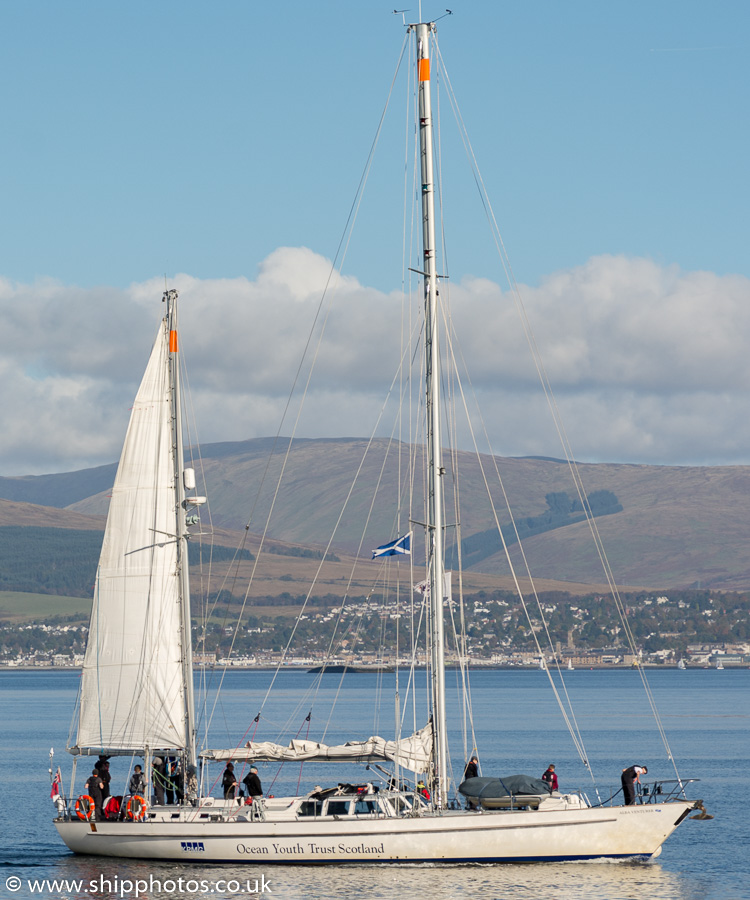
(85, 807)
(136, 808)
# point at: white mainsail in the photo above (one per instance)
(132, 694)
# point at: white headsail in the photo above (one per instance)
(132, 694)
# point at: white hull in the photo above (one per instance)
(458, 837)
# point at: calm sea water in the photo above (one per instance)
(706, 714)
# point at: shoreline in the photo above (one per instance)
(378, 670)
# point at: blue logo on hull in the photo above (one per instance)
(192, 846)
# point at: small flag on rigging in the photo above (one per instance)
(401, 545)
(56, 784)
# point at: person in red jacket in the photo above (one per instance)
(550, 778)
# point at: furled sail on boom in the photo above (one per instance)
(411, 753)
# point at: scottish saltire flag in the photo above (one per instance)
(400, 546)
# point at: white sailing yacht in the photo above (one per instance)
(136, 697)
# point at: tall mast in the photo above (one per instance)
(170, 297)
(432, 367)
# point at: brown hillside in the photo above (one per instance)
(680, 526)
(29, 514)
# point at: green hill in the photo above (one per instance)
(48, 560)
(18, 606)
(63, 561)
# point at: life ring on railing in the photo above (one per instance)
(85, 807)
(136, 808)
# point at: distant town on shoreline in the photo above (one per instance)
(695, 628)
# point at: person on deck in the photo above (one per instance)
(95, 789)
(102, 764)
(229, 782)
(112, 808)
(137, 783)
(472, 768)
(550, 778)
(178, 781)
(191, 785)
(103, 767)
(157, 780)
(169, 782)
(253, 785)
(630, 777)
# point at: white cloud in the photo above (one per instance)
(649, 363)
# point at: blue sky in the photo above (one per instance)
(151, 138)
(194, 140)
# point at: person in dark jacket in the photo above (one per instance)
(472, 768)
(103, 766)
(169, 785)
(158, 778)
(95, 789)
(229, 782)
(630, 777)
(253, 785)
(550, 778)
(178, 781)
(137, 782)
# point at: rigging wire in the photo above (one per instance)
(556, 415)
(336, 267)
(196, 458)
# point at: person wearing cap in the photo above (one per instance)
(253, 785)
(550, 777)
(472, 768)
